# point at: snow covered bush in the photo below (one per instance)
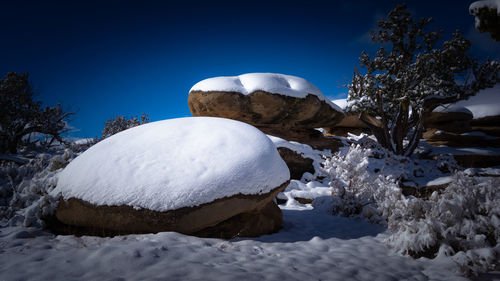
(121, 123)
(24, 189)
(461, 222)
(356, 190)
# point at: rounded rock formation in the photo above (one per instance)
(282, 105)
(454, 119)
(185, 175)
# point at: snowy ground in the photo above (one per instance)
(313, 245)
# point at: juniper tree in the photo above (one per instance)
(409, 77)
(21, 115)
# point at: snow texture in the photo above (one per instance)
(314, 245)
(309, 190)
(274, 83)
(175, 163)
(342, 103)
(452, 108)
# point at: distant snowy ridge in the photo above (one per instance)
(175, 163)
(274, 83)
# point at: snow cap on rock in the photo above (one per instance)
(274, 83)
(170, 164)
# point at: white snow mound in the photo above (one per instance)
(486, 103)
(341, 103)
(275, 83)
(175, 163)
(452, 108)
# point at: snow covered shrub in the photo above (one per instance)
(446, 163)
(24, 189)
(462, 222)
(80, 146)
(355, 189)
(121, 123)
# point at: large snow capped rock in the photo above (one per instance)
(184, 175)
(468, 123)
(451, 118)
(287, 106)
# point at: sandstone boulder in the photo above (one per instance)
(490, 125)
(186, 175)
(470, 139)
(349, 124)
(277, 104)
(452, 119)
(252, 224)
(222, 218)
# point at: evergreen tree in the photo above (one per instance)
(409, 79)
(21, 115)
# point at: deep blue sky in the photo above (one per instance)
(109, 58)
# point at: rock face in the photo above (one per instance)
(285, 106)
(456, 128)
(349, 124)
(469, 139)
(490, 125)
(223, 218)
(207, 176)
(251, 224)
(454, 122)
(263, 109)
(297, 164)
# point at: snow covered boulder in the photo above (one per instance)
(185, 175)
(286, 106)
(470, 123)
(450, 118)
(485, 106)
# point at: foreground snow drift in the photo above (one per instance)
(314, 245)
(175, 163)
